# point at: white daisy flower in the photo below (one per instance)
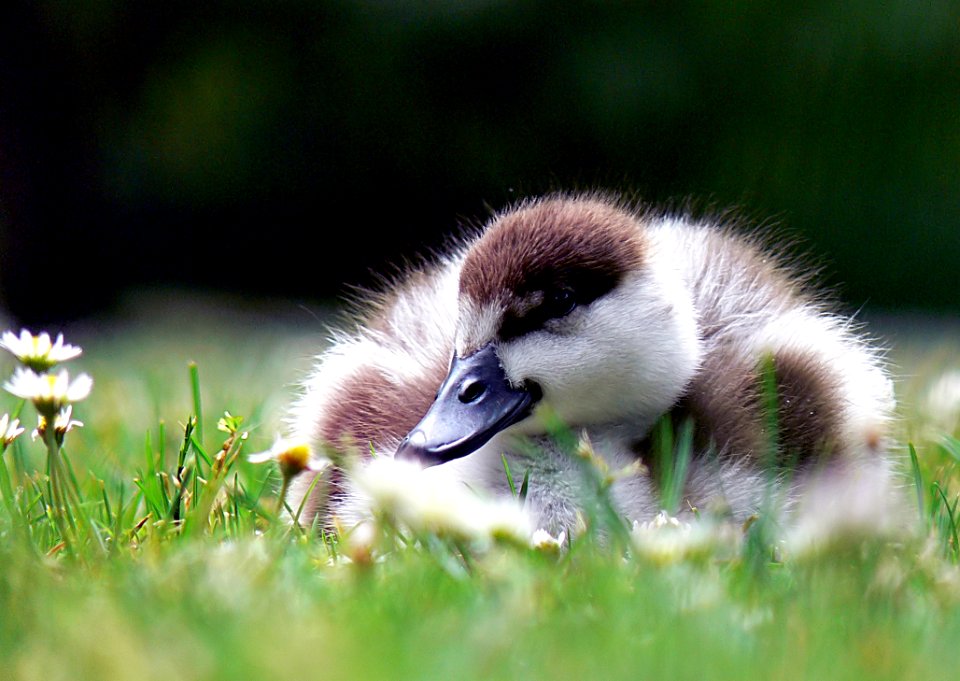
(666, 540)
(426, 500)
(62, 424)
(38, 352)
(545, 542)
(843, 507)
(943, 401)
(49, 392)
(9, 430)
(293, 456)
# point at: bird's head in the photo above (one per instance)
(565, 304)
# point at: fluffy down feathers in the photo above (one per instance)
(659, 316)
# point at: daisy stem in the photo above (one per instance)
(6, 485)
(56, 484)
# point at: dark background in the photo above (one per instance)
(224, 145)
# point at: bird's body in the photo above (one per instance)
(608, 318)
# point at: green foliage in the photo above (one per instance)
(673, 460)
(937, 504)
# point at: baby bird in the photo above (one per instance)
(609, 318)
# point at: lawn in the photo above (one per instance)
(204, 581)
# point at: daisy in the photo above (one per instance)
(424, 500)
(667, 540)
(943, 401)
(9, 430)
(62, 424)
(49, 392)
(546, 543)
(38, 352)
(293, 456)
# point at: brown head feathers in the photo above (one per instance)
(547, 254)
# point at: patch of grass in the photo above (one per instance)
(180, 567)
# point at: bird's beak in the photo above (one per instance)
(474, 403)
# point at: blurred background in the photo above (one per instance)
(223, 147)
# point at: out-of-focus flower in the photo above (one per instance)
(9, 430)
(38, 352)
(361, 541)
(943, 401)
(863, 500)
(425, 500)
(62, 424)
(660, 521)
(546, 542)
(49, 392)
(292, 456)
(666, 539)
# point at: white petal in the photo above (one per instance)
(24, 383)
(261, 457)
(80, 388)
(10, 341)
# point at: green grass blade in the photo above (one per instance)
(306, 497)
(524, 488)
(676, 479)
(949, 519)
(107, 507)
(506, 469)
(197, 404)
(6, 487)
(176, 506)
(199, 449)
(153, 504)
(917, 480)
(162, 444)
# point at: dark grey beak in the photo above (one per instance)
(474, 403)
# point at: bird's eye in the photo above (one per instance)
(558, 303)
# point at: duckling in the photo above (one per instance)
(608, 317)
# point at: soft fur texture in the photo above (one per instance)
(674, 316)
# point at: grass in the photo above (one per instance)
(203, 582)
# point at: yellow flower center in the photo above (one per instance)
(294, 460)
